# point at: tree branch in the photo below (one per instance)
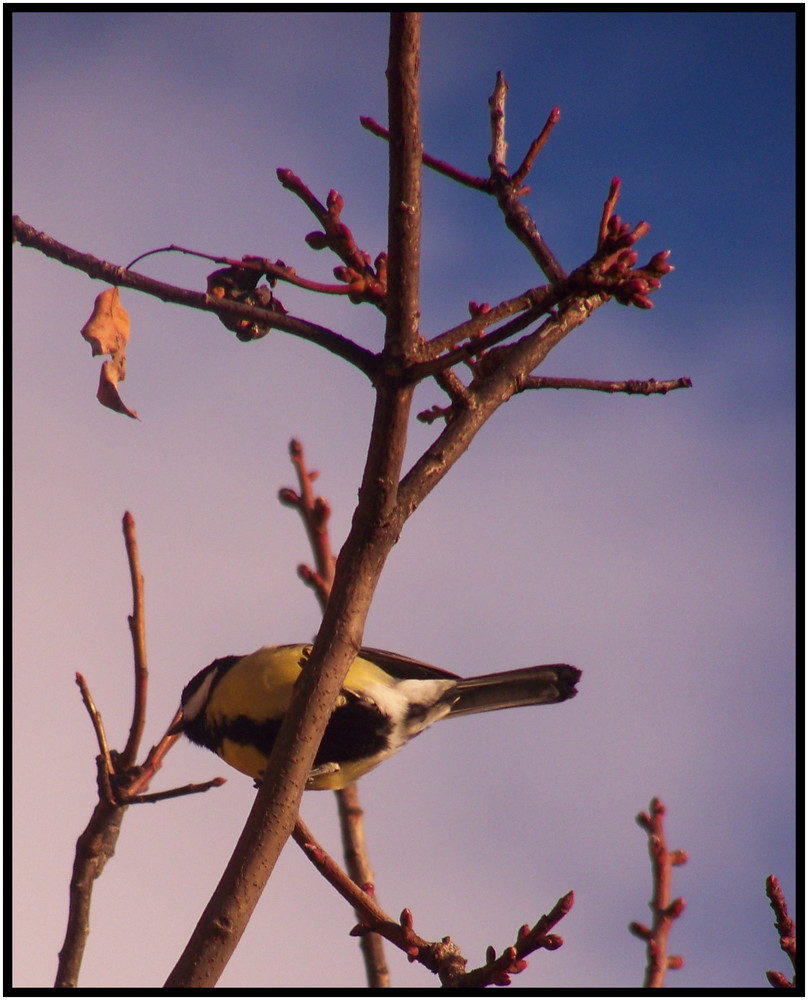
(357, 571)
(137, 627)
(507, 190)
(315, 512)
(404, 207)
(507, 370)
(644, 387)
(440, 957)
(787, 932)
(119, 781)
(439, 166)
(334, 342)
(664, 910)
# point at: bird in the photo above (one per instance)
(235, 706)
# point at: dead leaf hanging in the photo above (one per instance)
(107, 332)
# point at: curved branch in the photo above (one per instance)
(334, 342)
(440, 957)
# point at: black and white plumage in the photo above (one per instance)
(235, 706)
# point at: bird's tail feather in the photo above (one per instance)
(528, 686)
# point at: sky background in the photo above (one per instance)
(649, 541)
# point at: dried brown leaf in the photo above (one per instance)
(107, 332)
(113, 372)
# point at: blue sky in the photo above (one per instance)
(650, 541)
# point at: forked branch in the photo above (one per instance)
(441, 957)
(120, 784)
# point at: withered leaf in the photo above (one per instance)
(107, 332)
(113, 372)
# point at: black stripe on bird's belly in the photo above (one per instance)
(356, 729)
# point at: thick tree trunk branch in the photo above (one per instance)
(359, 565)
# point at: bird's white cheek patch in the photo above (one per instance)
(196, 703)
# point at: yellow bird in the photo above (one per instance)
(235, 706)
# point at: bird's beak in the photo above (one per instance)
(177, 724)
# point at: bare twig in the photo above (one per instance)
(137, 627)
(334, 342)
(98, 726)
(119, 782)
(663, 909)
(498, 969)
(507, 192)
(507, 189)
(787, 932)
(643, 387)
(315, 512)
(175, 793)
(357, 862)
(439, 166)
(441, 957)
(536, 147)
(364, 283)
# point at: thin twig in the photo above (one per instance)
(98, 724)
(315, 513)
(439, 166)
(643, 387)
(174, 793)
(664, 910)
(787, 932)
(517, 217)
(536, 147)
(441, 957)
(507, 189)
(364, 284)
(137, 628)
(119, 783)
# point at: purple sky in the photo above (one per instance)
(649, 541)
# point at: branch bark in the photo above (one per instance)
(359, 565)
(664, 909)
(314, 512)
(332, 341)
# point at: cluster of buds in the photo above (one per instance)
(502, 968)
(613, 267)
(366, 281)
